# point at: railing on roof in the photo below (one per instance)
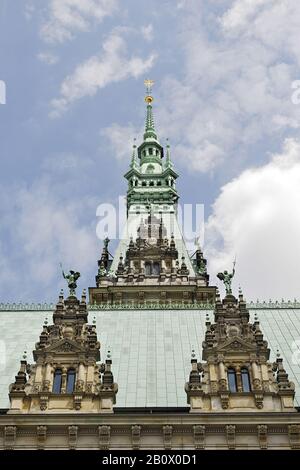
(45, 307)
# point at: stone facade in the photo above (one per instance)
(237, 374)
(66, 375)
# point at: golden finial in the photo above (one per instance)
(148, 85)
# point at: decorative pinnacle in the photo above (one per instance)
(193, 355)
(168, 155)
(134, 163)
(108, 354)
(149, 126)
(277, 353)
(46, 321)
(148, 84)
(25, 355)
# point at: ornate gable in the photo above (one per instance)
(66, 375)
(237, 374)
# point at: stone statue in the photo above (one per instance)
(227, 277)
(202, 269)
(101, 270)
(105, 243)
(71, 279)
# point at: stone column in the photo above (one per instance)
(256, 375)
(90, 378)
(222, 376)
(48, 377)
(80, 378)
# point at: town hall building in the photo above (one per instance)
(151, 356)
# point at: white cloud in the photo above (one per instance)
(243, 11)
(147, 32)
(48, 58)
(235, 89)
(43, 232)
(66, 17)
(256, 218)
(113, 65)
(120, 139)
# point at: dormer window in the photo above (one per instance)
(57, 381)
(152, 269)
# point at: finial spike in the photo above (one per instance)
(277, 352)
(149, 126)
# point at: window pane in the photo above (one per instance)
(57, 381)
(245, 380)
(71, 381)
(147, 269)
(156, 269)
(231, 380)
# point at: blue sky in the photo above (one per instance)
(224, 73)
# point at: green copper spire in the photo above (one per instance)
(149, 126)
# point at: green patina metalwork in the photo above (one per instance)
(162, 177)
(45, 306)
(227, 277)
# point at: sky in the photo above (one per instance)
(226, 95)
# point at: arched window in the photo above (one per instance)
(150, 169)
(71, 380)
(144, 183)
(148, 269)
(151, 183)
(231, 379)
(156, 269)
(245, 380)
(57, 381)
